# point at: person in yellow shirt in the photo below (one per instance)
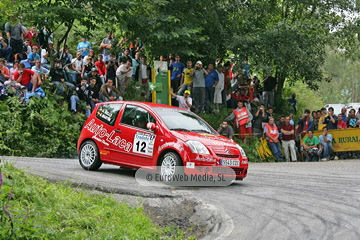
(186, 79)
(322, 118)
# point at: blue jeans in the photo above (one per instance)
(275, 149)
(75, 99)
(60, 87)
(209, 94)
(6, 53)
(3, 79)
(92, 104)
(74, 75)
(327, 150)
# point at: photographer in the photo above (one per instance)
(305, 123)
(259, 118)
(58, 77)
(226, 130)
(198, 75)
(111, 67)
(331, 120)
(184, 101)
(83, 94)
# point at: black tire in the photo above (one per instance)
(170, 165)
(89, 156)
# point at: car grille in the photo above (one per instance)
(227, 156)
(227, 170)
(202, 169)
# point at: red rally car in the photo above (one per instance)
(139, 134)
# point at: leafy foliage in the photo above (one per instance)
(42, 128)
(344, 73)
(32, 208)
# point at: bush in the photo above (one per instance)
(42, 128)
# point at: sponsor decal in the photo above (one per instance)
(171, 144)
(207, 135)
(104, 114)
(101, 135)
(104, 152)
(205, 159)
(223, 144)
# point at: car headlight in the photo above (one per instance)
(197, 147)
(243, 154)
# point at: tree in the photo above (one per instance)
(197, 28)
(54, 14)
(288, 38)
(344, 73)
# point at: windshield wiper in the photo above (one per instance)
(180, 129)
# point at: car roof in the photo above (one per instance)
(149, 104)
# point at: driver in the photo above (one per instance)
(140, 122)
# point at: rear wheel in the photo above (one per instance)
(89, 156)
(170, 165)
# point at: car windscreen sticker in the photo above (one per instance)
(104, 113)
(144, 143)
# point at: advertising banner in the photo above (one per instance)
(343, 140)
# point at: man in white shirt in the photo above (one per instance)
(185, 101)
(144, 76)
(45, 54)
(123, 73)
(38, 68)
(77, 64)
(219, 88)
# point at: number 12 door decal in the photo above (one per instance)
(144, 143)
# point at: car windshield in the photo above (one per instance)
(181, 120)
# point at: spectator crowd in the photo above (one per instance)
(89, 79)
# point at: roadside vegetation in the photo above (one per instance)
(33, 208)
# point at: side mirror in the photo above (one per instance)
(151, 126)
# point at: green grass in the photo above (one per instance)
(33, 208)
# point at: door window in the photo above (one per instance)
(108, 113)
(137, 117)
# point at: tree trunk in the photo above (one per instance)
(279, 102)
(65, 35)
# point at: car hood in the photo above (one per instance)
(221, 146)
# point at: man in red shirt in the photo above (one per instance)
(4, 71)
(288, 140)
(100, 65)
(27, 78)
(341, 124)
(32, 36)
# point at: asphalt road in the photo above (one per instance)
(318, 200)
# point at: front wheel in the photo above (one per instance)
(89, 156)
(170, 165)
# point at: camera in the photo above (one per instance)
(222, 125)
(21, 71)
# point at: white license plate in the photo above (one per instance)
(227, 162)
